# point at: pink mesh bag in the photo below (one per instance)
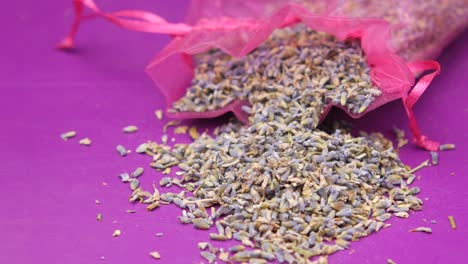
(420, 28)
(238, 27)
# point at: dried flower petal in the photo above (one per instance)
(181, 130)
(210, 257)
(169, 124)
(67, 135)
(422, 229)
(116, 233)
(137, 173)
(142, 148)
(434, 158)
(203, 245)
(452, 222)
(224, 256)
(134, 184)
(193, 132)
(155, 255)
(447, 147)
(85, 142)
(159, 114)
(130, 129)
(121, 150)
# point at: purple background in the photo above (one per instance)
(48, 186)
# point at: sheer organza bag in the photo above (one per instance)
(238, 28)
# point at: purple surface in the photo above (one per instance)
(49, 186)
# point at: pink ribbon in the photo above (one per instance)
(128, 19)
(414, 95)
(142, 21)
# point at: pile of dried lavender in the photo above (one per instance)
(280, 186)
(290, 195)
(292, 58)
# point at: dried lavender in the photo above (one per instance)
(210, 257)
(121, 150)
(447, 147)
(141, 148)
(116, 233)
(400, 137)
(284, 189)
(434, 157)
(287, 193)
(159, 114)
(67, 135)
(452, 222)
(428, 24)
(130, 129)
(155, 254)
(297, 58)
(134, 184)
(137, 173)
(85, 142)
(280, 186)
(422, 229)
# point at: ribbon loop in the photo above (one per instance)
(413, 96)
(128, 19)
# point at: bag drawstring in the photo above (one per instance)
(129, 19)
(414, 95)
